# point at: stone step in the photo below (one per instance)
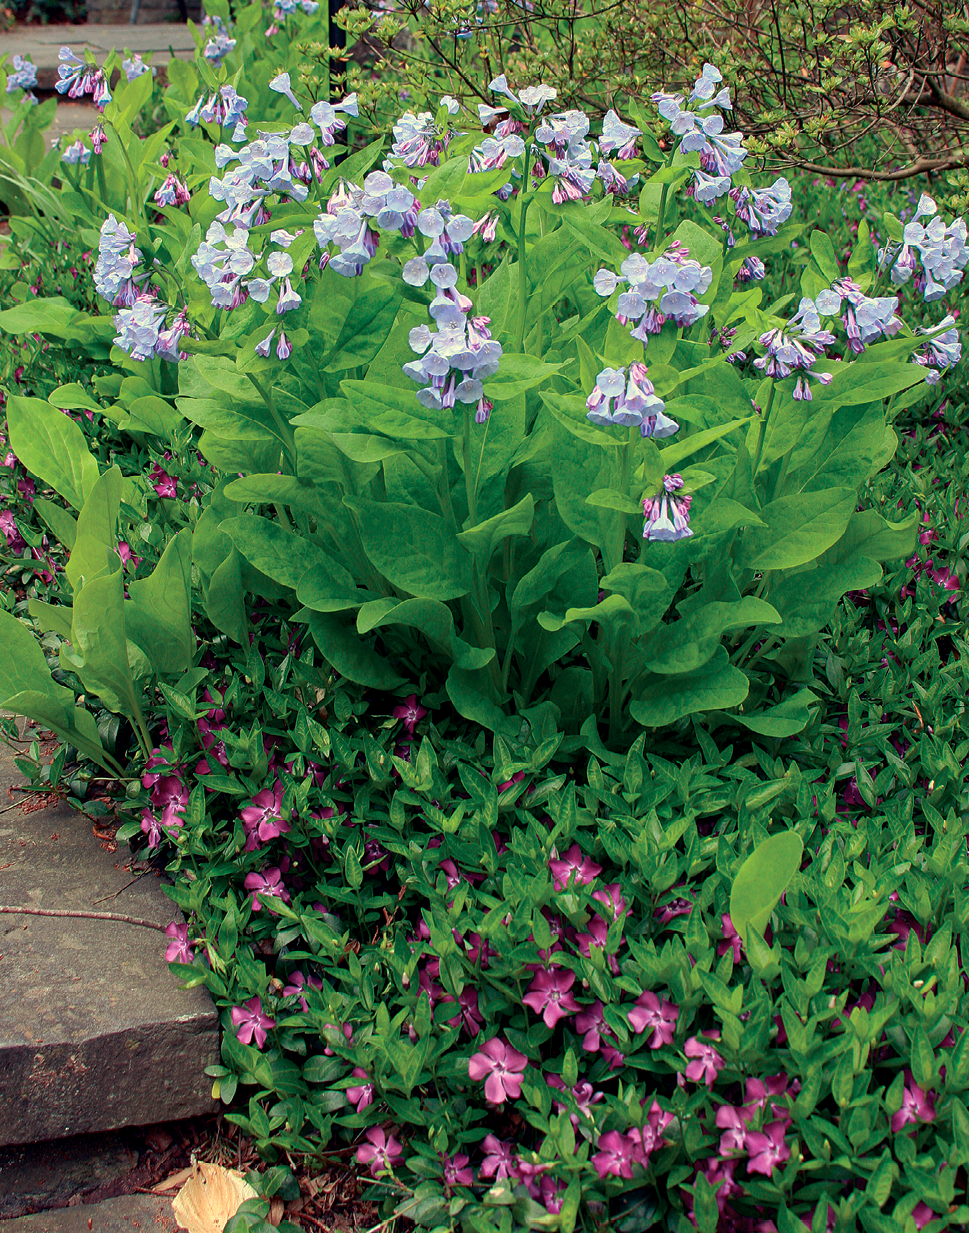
(95, 1033)
(42, 43)
(132, 1213)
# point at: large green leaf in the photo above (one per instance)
(61, 522)
(433, 618)
(785, 719)
(482, 540)
(95, 544)
(415, 549)
(715, 686)
(52, 447)
(395, 412)
(469, 694)
(350, 654)
(799, 528)
(684, 645)
(158, 614)
(240, 422)
(100, 648)
(279, 553)
(761, 880)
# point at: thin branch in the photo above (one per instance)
(125, 920)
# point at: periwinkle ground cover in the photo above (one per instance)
(498, 956)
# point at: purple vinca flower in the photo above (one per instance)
(250, 1023)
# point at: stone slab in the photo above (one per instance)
(133, 1213)
(37, 1176)
(94, 1032)
(42, 43)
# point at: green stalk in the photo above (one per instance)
(762, 433)
(470, 485)
(522, 268)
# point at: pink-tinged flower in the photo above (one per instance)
(731, 939)
(734, 1123)
(917, 1105)
(455, 1171)
(381, 1152)
(617, 1154)
(502, 1069)
(128, 558)
(164, 484)
(549, 995)
(499, 1161)
(178, 949)
(676, 907)
(360, 1096)
(11, 532)
(707, 1062)
(611, 899)
(470, 1017)
(596, 934)
(767, 1149)
(297, 983)
(922, 1214)
(268, 883)
(410, 713)
(651, 1134)
(584, 1095)
(574, 868)
(719, 1173)
(661, 1016)
(250, 1023)
(592, 1024)
(550, 1194)
(165, 827)
(262, 819)
(347, 1031)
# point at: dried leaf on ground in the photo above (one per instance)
(210, 1197)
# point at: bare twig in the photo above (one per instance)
(125, 920)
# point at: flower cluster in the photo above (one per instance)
(458, 355)
(764, 210)
(668, 512)
(942, 250)
(23, 77)
(941, 350)
(636, 402)
(796, 347)
(667, 288)
(865, 319)
(701, 130)
(221, 42)
(77, 78)
(225, 108)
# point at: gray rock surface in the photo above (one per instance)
(133, 1213)
(36, 1176)
(94, 1032)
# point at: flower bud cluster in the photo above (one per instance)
(865, 319)
(764, 209)
(459, 355)
(77, 78)
(226, 108)
(23, 77)
(941, 350)
(795, 347)
(614, 400)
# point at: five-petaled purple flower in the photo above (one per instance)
(502, 1069)
(707, 1062)
(250, 1023)
(381, 1152)
(661, 1016)
(550, 996)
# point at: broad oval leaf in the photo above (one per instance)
(761, 880)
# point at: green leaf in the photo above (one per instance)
(674, 454)
(158, 614)
(570, 411)
(95, 545)
(822, 250)
(62, 523)
(761, 880)
(415, 549)
(788, 717)
(799, 529)
(52, 447)
(433, 618)
(715, 686)
(279, 553)
(517, 374)
(396, 412)
(610, 498)
(686, 644)
(351, 656)
(73, 397)
(482, 539)
(100, 649)
(469, 693)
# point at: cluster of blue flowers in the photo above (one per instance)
(78, 77)
(23, 77)
(141, 321)
(629, 403)
(942, 252)
(459, 355)
(665, 289)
